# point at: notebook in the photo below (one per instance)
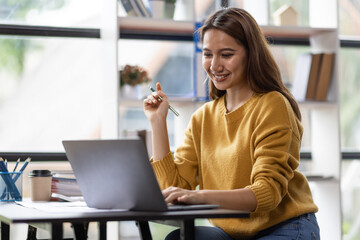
(117, 174)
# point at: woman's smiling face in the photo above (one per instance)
(224, 60)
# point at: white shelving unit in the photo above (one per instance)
(325, 145)
(325, 124)
(325, 131)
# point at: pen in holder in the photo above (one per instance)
(11, 182)
(10, 186)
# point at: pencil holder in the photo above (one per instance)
(10, 186)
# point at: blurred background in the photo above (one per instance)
(50, 87)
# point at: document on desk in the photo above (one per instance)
(65, 207)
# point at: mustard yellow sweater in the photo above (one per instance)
(256, 146)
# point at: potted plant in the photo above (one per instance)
(131, 80)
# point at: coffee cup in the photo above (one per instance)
(40, 184)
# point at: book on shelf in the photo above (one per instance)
(128, 8)
(312, 76)
(145, 11)
(64, 183)
(301, 76)
(325, 75)
(135, 8)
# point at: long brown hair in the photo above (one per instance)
(262, 73)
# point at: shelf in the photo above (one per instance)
(317, 104)
(294, 32)
(158, 29)
(145, 28)
(156, 25)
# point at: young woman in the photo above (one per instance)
(242, 148)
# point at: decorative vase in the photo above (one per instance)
(157, 8)
(131, 92)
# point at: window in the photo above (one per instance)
(50, 92)
(349, 23)
(350, 101)
(49, 86)
(349, 17)
(64, 13)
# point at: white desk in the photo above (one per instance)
(12, 213)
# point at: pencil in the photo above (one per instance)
(170, 107)
(25, 164)
(22, 169)
(9, 182)
(16, 164)
(2, 165)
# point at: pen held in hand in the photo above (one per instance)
(170, 107)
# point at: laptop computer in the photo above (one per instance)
(117, 174)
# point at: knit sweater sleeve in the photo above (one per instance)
(276, 142)
(183, 170)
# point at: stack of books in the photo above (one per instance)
(312, 78)
(64, 186)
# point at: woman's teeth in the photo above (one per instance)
(220, 77)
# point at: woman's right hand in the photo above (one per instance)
(154, 108)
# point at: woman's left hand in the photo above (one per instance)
(175, 195)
